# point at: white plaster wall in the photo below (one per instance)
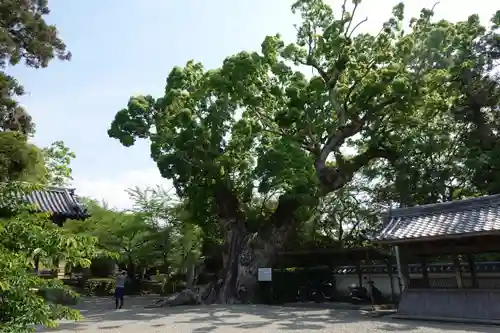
(382, 282)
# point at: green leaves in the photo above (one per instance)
(58, 159)
(302, 120)
(22, 305)
(24, 36)
(135, 121)
(19, 160)
(25, 238)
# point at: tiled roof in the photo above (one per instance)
(454, 218)
(58, 201)
(54, 200)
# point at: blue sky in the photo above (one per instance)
(127, 47)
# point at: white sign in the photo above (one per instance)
(265, 274)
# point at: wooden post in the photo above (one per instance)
(458, 271)
(472, 270)
(425, 273)
(367, 262)
(399, 270)
(404, 272)
(359, 273)
(389, 273)
(370, 281)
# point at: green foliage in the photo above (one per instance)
(448, 151)
(124, 234)
(19, 160)
(58, 159)
(343, 219)
(157, 233)
(24, 36)
(21, 306)
(24, 238)
(99, 286)
(258, 130)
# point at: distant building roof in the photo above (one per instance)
(56, 201)
(469, 217)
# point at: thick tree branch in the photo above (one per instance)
(337, 139)
(363, 159)
(332, 178)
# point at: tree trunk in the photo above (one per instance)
(247, 253)
(234, 241)
(258, 253)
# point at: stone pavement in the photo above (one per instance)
(135, 318)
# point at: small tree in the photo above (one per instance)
(24, 236)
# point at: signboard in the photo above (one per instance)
(265, 274)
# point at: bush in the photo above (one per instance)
(61, 296)
(99, 287)
(165, 287)
(152, 287)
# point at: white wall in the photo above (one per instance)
(436, 280)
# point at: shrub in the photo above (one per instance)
(99, 287)
(61, 296)
(152, 287)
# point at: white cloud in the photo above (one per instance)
(113, 189)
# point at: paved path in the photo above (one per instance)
(100, 317)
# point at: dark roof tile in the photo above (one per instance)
(454, 218)
(57, 201)
(54, 200)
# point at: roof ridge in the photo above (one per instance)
(454, 205)
(58, 188)
(48, 187)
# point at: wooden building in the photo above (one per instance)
(457, 230)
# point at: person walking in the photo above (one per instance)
(120, 281)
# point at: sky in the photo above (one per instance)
(123, 48)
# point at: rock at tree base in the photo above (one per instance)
(185, 297)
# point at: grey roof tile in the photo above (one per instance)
(55, 200)
(454, 218)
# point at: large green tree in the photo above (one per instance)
(452, 151)
(476, 107)
(258, 125)
(25, 38)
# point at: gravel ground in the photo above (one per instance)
(101, 317)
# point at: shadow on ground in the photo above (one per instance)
(100, 314)
(310, 319)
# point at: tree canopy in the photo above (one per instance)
(259, 125)
(25, 38)
(259, 120)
